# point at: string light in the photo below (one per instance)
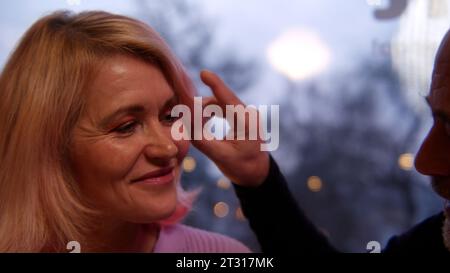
(314, 183)
(189, 164)
(221, 209)
(406, 161)
(223, 183)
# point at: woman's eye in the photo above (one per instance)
(126, 128)
(168, 118)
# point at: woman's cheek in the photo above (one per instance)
(183, 149)
(117, 158)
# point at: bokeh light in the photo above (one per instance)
(223, 183)
(189, 164)
(299, 54)
(221, 209)
(314, 183)
(406, 161)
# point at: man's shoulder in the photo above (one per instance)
(423, 237)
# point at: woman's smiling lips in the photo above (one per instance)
(157, 177)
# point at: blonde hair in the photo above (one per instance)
(42, 91)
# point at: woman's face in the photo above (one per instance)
(122, 152)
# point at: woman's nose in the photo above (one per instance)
(160, 145)
(433, 158)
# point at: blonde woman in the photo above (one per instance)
(86, 152)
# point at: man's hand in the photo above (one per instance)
(242, 161)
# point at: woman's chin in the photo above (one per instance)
(147, 214)
(151, 207)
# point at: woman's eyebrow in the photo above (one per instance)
(172, 101)
(134, 109)
(128, 109)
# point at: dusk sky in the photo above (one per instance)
(300, 40)
(348, 30)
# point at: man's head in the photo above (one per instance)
(433, 158)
